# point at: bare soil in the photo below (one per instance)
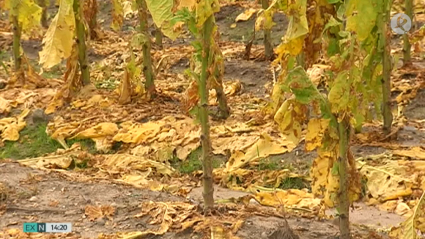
(47, 196)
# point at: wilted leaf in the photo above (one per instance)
(292, 198)
(96, 212)
(339, 95)
(161, 11)
(324, 183)
(315, 132)
(413, 153)
(27, 12)
(290, 116)
(10, 127)
(59, 37)
(246, 15)
(361, 17)
(387, 181)
(137, 133)
(49, 162)
(262, 148)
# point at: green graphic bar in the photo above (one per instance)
(48, 227)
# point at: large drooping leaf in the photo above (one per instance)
(59, 37)
(361, 17)
(297, 28)
(27, 11)
(161, 11)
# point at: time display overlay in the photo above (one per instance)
(48, 227)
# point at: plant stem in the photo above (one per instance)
(43, 5)
(16, 43)
(158, 38)
(406, 43)
(81, 41)
(208, 192)
(267, 35)
(343, 199)
(384, 19)
(301, 60)
(146, 48)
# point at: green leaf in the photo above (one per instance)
(333, 1)
(333, 47)
(300, 84)
(361, 17)
(27, 11)
(339, 95)
(335, 169)
(194, 112)
(204, 9)
(161, 11)
(138, 40)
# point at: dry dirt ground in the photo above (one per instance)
(48, 196)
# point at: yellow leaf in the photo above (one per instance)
(204, 9)
(408, 229)
(324, 183)
(315, 131)
(117, 14)
(137, 133)
(413, 153)
(388, 181)
(292, 198)
(161, 11)
(59, 37)
(190, 4)
(27, 11)
(5, 106)
(262, 148)
(100, 130)
(55, 161)
(10, 127)
(289, 117)
(245, 16)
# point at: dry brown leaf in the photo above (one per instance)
(96, 212)
(245, 16)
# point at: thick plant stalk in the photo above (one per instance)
(343, 199)
(406, 43)
(384, 18)
(16, 43)
(158, 38)
(146, 48)
(81, 41)
(267, 35)
(208, 192)
(43, 5)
